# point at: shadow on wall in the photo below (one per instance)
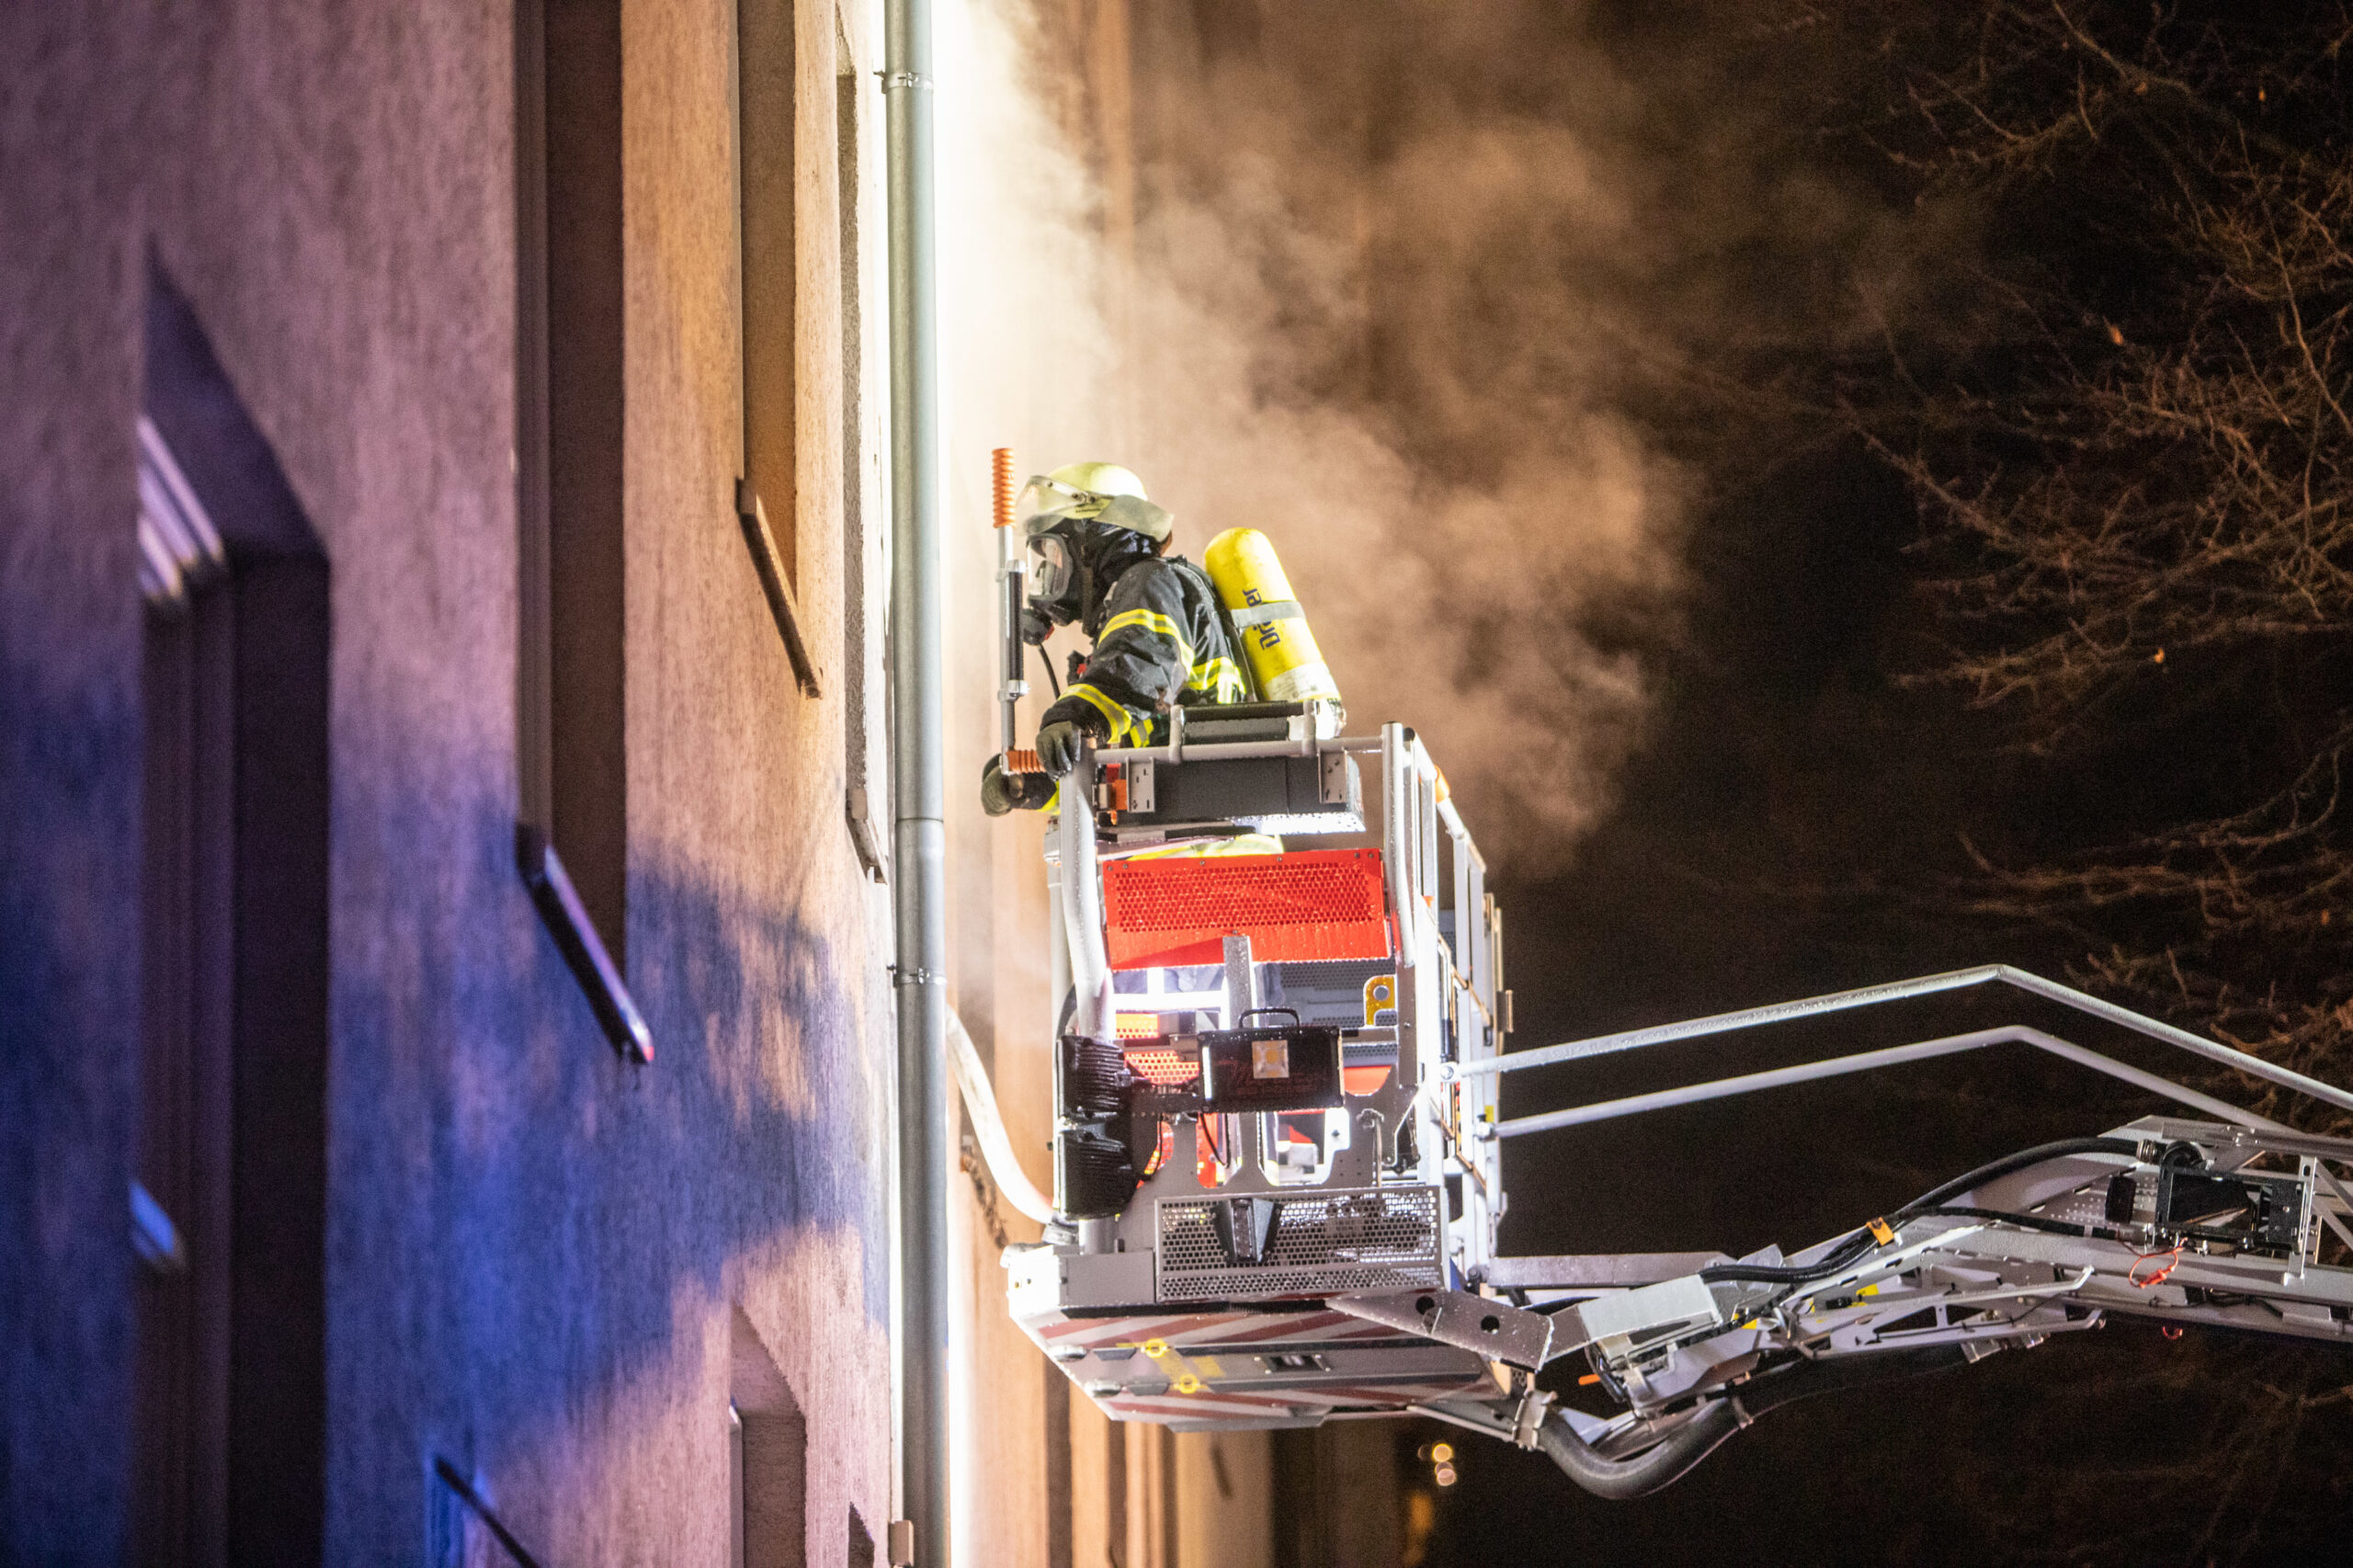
(518, 1227)
(513, 1218)
(518, 1215)
(65, 1121)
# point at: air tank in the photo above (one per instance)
(1284, 661)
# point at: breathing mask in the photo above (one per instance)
(1052, 563)
(1060, 512)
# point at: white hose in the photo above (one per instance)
(988, 1126)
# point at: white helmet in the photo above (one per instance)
(1091, 492)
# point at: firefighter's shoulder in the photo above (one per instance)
(1154, 583)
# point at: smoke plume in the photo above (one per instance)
(1302, 283)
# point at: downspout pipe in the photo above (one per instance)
(918, 818)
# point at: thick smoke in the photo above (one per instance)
(1376, 322)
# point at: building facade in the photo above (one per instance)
(446, 1044)
(445, 1093)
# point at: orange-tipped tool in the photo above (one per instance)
(1002, 461)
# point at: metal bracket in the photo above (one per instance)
(1496, 1330)
(1529, 1418)
(1642, 1316)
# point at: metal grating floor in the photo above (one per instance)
(1323, 1242)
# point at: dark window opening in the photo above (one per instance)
(768, 497)
(230, 1201)
(1115, 1495)
(1058, 1469)
(571, 707)
(768, 1457)
(1301, 1515)
(1168, 1497)
(856, 563)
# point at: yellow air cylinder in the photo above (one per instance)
(1283, 658)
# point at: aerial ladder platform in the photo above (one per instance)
(1278, 1152)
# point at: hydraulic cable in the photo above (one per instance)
(1673, 1457)
(1856, 1246)
(2011, 1163)
(1648, 1471)
(1805, 1379)
(1838, 1257)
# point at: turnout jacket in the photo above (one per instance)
(1160, 640)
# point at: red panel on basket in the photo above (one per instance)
(1316, 905)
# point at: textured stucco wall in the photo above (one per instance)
(533, 1250)
(69, 800)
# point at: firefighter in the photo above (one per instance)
(1098, 560)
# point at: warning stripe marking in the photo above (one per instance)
(1138, 1328)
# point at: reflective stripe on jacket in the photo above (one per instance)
(1161, 643)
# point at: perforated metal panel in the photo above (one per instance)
(1314, 905)
(2087, 1205)
(1323, 1242)
(1164, 1068)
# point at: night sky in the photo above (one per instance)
(1790, 832)
(1801, 823)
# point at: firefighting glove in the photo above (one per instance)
(1001, 791)
(1058, 743)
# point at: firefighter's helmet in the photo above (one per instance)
(1091, 492)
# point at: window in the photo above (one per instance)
(768, 1457)
(572, 837)
(1167, 1498)
(863, 574)
(768, 497)
(1115, 1495)
(1058, 1468)
(229, 1200)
